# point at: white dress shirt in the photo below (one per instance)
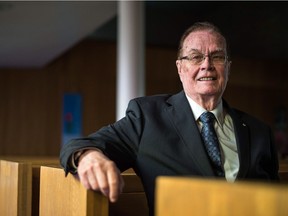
(225, 132)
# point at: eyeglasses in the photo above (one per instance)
(199, 58)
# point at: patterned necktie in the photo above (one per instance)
(211, 141)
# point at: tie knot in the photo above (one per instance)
(207, 117)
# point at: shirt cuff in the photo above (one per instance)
(76, 155)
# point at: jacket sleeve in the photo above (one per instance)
(118, 141)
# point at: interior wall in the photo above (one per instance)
(31, 99)
(258, 87)
(31, 105)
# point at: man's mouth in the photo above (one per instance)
(207, 79)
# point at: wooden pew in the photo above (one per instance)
(60, 195)
(198, 197)
(15, 188)
(132, 201)
(66, 196)
(19, 184)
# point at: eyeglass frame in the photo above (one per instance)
(204, 56)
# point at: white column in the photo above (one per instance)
(130, 54)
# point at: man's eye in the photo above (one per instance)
(196, 57)
(218, 57)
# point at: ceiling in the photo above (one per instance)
(32, 34)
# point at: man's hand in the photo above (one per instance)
(97, 172)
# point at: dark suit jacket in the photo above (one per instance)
(159, 136)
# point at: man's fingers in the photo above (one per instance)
(102, 182)
(88, 180)
(115, 184)
(97, 172)
(84, 180)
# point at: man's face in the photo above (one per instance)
(208, 78)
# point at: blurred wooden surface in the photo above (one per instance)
(19, 184)
(60, 195)
(132, 201)
(15, 188)
(198, 197)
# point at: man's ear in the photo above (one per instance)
(178, 65)
(179, 69)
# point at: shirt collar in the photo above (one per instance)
(198, 110)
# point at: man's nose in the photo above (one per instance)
(207, 64)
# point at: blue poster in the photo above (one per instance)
(71, 117)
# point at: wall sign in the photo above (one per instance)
(71, 117)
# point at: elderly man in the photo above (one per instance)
(192, 133)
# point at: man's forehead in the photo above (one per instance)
(203, 36)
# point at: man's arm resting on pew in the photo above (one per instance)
(98, 172)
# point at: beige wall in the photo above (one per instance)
(31, 99)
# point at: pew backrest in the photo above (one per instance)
(15, 188)
(60, 195)
(19, 184)
(198, 197)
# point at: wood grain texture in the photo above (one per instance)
(20, 184)
(60, 195)
(198, 197)
(15, 188)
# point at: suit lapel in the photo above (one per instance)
(183, 120)
(242, 140)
